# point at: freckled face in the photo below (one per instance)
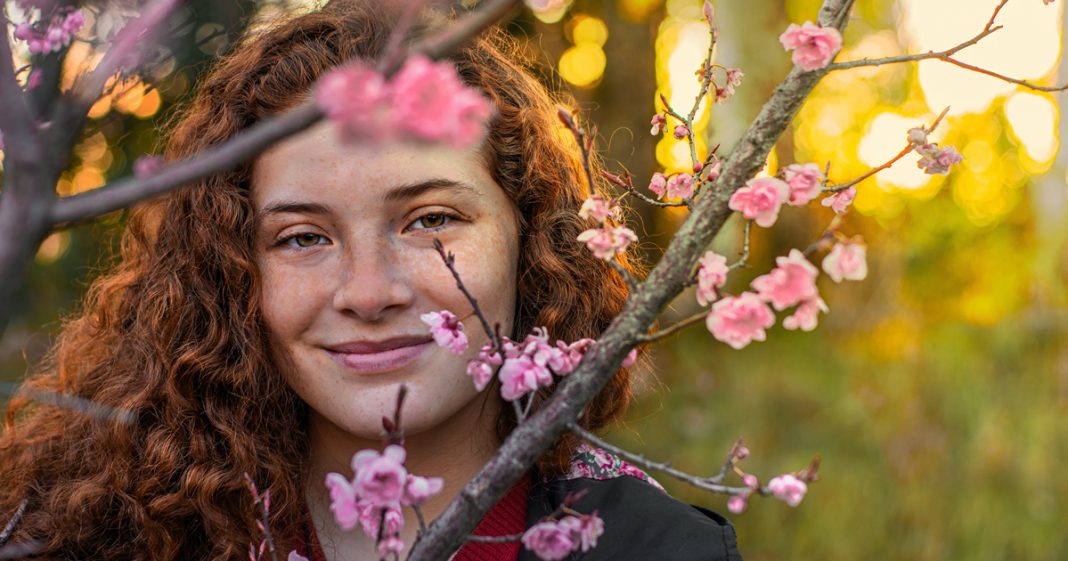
(345, 250)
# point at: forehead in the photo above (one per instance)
(316, 160)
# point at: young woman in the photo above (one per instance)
(261, 320)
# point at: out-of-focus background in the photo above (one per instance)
(935, 391)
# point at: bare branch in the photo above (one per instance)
(13, 524)
(947, 56)
(450, 262)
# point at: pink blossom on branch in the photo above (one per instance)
(424, 99)
(659, 124)
(740, 320)
(482, 368)
(711, 274)
(788, 489)
(846, 261)
(599, 208)
(792, 281)
(380, 478)
(431, 102)
(681, 132)
(418, 489)
(804, 181)
(760, 200)
(549, 541)
(680, 186)
(343, 501)
(806, 316)
(814, 46)
(935, 160)
(447, 330)
(606, 242)
(840, 200)
(522, 375)
(738, 503)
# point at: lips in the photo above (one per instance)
(372, 357)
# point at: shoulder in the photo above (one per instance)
(641, 520)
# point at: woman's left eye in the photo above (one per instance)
(432, 221)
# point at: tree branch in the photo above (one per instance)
(530, 439)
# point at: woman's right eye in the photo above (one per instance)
(304, 240)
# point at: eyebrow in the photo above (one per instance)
(400, 193)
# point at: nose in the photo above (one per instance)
(374, 282)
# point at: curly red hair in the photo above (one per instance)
(174, 333)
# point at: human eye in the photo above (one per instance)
(303, 240)
(432, 221)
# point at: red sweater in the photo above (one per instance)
(507, 517)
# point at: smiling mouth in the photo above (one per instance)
(375, 359)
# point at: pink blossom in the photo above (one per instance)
(937, 161)
(788, 489)
(147, 166)
(805, 317)
(380, 478)
(737, 503)
(658, 184)
(572, 354)
(804, 181)
(447, 330)
(537, 347)
(58, 34)
(840, 200)
(793, 280)
(741, 453)
(659, 123)
(419, 489)
(430, 101)
(740, 320)
(713, 171)
(846, 261)
(681, 132)
(584, 530)
(630, 359)
(294, 556)
(680, 186)
(606, 242)
(342, 501)
(751, 481)
(918, 136)
(711, 274)
(760, 199)
(549, 540)
(734, 79)
(481, 369)
(390, 546)
(371, 516)
(813, 46)
(599, 208)
(520, 376)
(356, 97)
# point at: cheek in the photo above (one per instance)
(286, 302)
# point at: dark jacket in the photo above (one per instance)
(641, 522)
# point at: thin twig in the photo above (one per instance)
(711, 484)
(628, 185)
(263, 503)
(743, 259)
(675, 327)
(632, 283)
(947, 56)
(13, 524)
(904, 152)
(580, 137)
(450, 262)
(72, 402)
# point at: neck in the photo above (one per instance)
(454, 450)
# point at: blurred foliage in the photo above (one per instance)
(934, 392)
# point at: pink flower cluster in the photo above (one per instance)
(380, 488)
(553, 540)
(734, 79)
(59, 33)
(659, 124)
(840, 200)
(424, 99)
(608, 241)
(934, 160)
(677, 186)
(738, 503)
(711, 274)
(846, 261)
(740, 320)
(788, 489)
(447, 330)
(814, 46)
(760, 199)
(530, 364)
(599, 208)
